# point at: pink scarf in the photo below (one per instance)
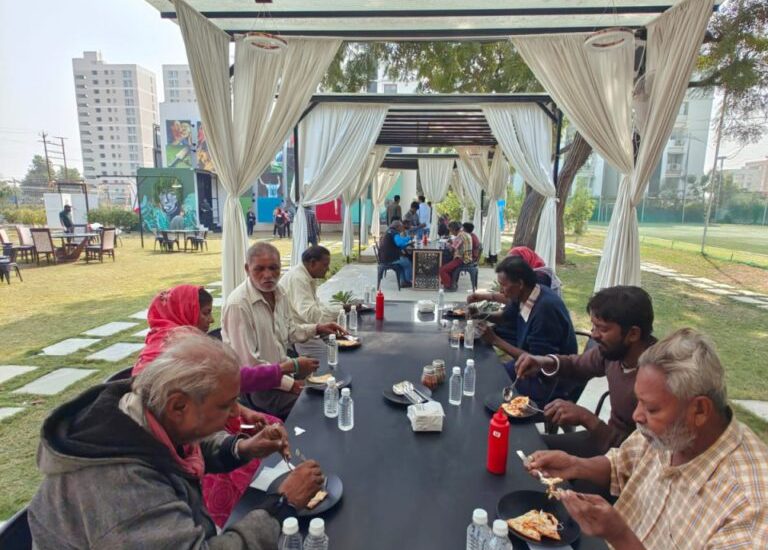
(192, 463)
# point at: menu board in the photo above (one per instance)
(426, 268)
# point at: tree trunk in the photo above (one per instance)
(527, 224)
(578, 153)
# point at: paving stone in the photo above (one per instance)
(116, 352)
(682, 279)
(215, 283)
(700, 285)
(721, 292)
(12, 371)
(56, 381)
(748, 300)
(213, 290)
(218, 301)
(705, 281)
(759, 408)
(141, 333)
(109, 329)
(754, 294)
(140, 315)
(722, 285)
(7, 412)
(70, 345)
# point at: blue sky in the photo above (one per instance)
(38, 40)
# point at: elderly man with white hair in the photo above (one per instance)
(123, 461)
(690, 477)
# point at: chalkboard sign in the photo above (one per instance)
(426, 268)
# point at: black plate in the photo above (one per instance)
(517, 503)
(392, 397)
(358, 342)
(451, 313)
(343, 379)
(493, 402)
(334, 487)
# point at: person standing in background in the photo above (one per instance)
(251, 221)
(394, 212)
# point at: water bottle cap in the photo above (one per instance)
(442, 291)
(331, 381)
(332, 337)
(456, 370)
(317, 527)
(500, 528)
(353, 308)
(470, 362)
(291, 526)
(480, 516)
(455, 322)
(345, 392)
(470, 323)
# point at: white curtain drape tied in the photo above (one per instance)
(382, 184)
(497, 189)
(474, 172)
(458, 188)
(359, 190)
(245, 125)
(334, 141)
(435, 176)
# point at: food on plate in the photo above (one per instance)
(317, 499)
(458, 312)
(536, 524)
(346, 343)
(517, 407)
(319, 378)
(553, 491)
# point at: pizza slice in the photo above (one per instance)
(317, 499)
(523, 526)
(548, 525)
(319, 378)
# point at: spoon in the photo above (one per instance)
(401, 388)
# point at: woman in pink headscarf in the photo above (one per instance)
(544, 274)
(191, 306)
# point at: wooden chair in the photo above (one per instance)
(26, 246)
(382, 268)
(105, 247)
(41, 236)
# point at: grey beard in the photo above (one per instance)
(677, 437)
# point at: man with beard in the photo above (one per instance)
(622, 323)
(690, 477)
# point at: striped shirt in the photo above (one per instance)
(715, 501)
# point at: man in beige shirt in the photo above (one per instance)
(690, 477)
(257, 322)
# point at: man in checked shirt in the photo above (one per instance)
(690, 477)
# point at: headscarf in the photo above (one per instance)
(177, 307)
(528, 255)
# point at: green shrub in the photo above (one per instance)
(114, 217)
(579, 210)
(450, 205)
(25, 216)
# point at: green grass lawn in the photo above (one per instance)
(58, 302)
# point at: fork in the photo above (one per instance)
(411, 393)
(509, 392)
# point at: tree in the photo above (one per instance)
(38, 174)
(71, 174)
(460, 67)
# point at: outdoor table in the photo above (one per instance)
(72, 250)
(404, 489)
(182, 234)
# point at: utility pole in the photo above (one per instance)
(714, 169)
(64, 157)
(47, 161)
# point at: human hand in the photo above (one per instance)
(486, 333)
(567, 413)
(307, 365)
(476, 297)
(552, 464)
(597, 517)
(271, 439)
(324, 329)
(255, 419)
(302, 484)
(528, 365)
(297, 387)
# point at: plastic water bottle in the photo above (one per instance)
(455, 332)
(333, 351)
(346, 411)
(470, 376)
(316, 539)
(500, 539)
(455, 387)
(290, 539)
(353, 320)
(341, 319)
(440, 299)
(478, 532)
(331, 398)
(469, 335)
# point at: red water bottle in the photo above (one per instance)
(498, 443)
(379, 305)
(425, 241)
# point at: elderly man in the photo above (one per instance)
(391, 246)
(690, 477)
(123, 461)
(300, 288)
(257, 323)
(622, 323)
(462, 255)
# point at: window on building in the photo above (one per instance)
(129, 102)
(126, 74)
(127, 83)
(96, 92)
(98, 119)
(95, 81)
(684, 108)
(128, 92)
(98, 109)
(130, 120)
(131, 130)
(94, 72)
(98, 100)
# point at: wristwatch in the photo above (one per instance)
(277, 506)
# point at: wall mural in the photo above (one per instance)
(167, 202)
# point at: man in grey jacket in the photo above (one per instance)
(123, 461)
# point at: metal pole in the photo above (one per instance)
(47, 162)
(719, 187)
(141, 221)
(359, 226)
(64, 155)
(296, 177)
(714, 169)
(765, 210)
(685, 176)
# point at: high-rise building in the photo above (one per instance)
(117, 114)
(177, 84)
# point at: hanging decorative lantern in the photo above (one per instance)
(266, 41)
(609, 39)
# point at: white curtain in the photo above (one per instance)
(474, 173)
(359, 190)
(334, 141)
(524, 133)
(497, 188)
(593, 89)
(458, 188)
(382, 184)
(435, 176)
(674, 39)
(244, 124)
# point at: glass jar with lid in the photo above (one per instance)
(429, 378)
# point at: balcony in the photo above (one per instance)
(674, 170)
(676, 145)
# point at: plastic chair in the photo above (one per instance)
(15, 533)
(470, 269)
(382, 268)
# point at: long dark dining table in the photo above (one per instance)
(403, 489)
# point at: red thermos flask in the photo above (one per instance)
(379, 305)
(498, 443)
